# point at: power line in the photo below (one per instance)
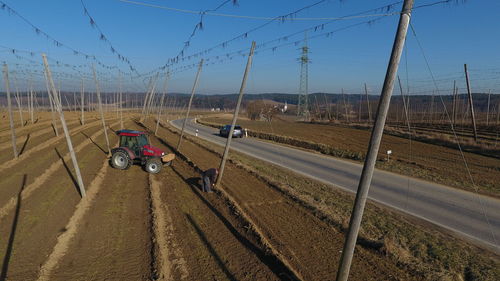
(236, 16)
(104, 38)
(56, 42)
(476, 189)
(176, 59)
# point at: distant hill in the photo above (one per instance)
(228, 101)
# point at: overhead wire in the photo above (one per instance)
(176, 59)
(239, 16)
(471, 178)
(104, 38)
(57, 43)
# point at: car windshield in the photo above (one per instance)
(228, 127)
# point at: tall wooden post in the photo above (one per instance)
(454, 107)
(498, 113)
(374, 144)
(54, 125)
(327, 108)
(368, 105)
(82, 103)
(74, 101)
(471, 103)
(431, 114)
(151, 97)
(19, 102)
(98, 93)
(190, 101)
(235, 116)
(345, 106)
(359, 107)
(32, 114)
(65, 128)
(121, 100)
(161, 102)
(9, 109)
(488, 111)
(145, 97)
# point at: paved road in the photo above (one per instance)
(474, 216)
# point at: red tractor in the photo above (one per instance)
(135, 149)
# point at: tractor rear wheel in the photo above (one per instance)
(120, 160)
(153, 166)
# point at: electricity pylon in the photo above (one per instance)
(303, 102)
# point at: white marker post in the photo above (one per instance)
(389, 152)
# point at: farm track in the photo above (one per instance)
(40, 165)
(32, 229)
(293, 232)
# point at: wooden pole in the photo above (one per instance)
(98, 93)
(345, 106)
(151, 97)
(32, 115)
(19, 102)
(82, 102)
(9, 109)
(54, 125)
(74, 101)
(405, 106)
(235, 116)
(327, 108)
(374, 144)
(368, 105)
(359, 107)
(488, 111)
(121, 100)
(454, 107)
(190, 101)
(65, 129)
(498, 113)
(161, 102)
(431, 114)
(471, 103)
(147, 97)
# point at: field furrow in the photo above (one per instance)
(114, 241)
(297, 235)
(33, 226)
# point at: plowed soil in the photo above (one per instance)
(33, 225)
(309, 245)
(137, 226)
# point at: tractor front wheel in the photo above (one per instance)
(153, 166)
(120, 160)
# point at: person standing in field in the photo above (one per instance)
(208, 179)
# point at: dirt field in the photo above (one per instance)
(421, 160)
(136, 226)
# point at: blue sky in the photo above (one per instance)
(450, 35)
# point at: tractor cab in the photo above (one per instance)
(135, 148)
(133, 140)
